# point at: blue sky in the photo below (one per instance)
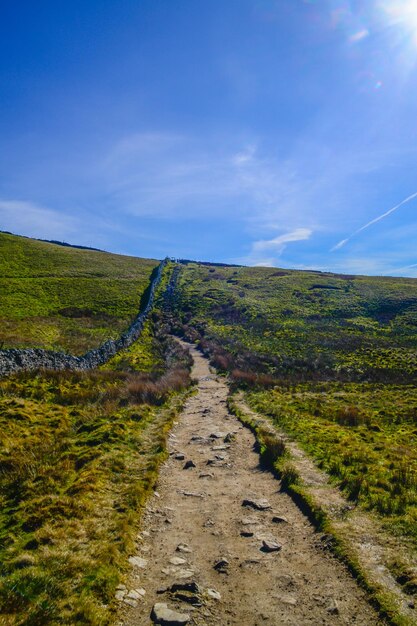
(278, 132)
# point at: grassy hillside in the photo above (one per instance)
(65, 298)
(331, 360)
(306, 324)
(79, 454)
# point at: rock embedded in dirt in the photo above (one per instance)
(271, 546)
(192, 494)
(333, 607)
(189, 464)
(221, 566)
(176, 560)
(260, 505)
(179, 456)
(206, 475)
(246, 533)
(183, 547)
(223, 447)
(286, 599)
(278, 519)
(218, 435)
(165, 616)
(120, 594)
(212, 593)
(137, 561)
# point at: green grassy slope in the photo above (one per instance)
(332, 361)
(65, 298)
(308, 323)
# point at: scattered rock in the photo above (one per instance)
(246, 533)
(286, 581)
(189, 464)
(130, 601)
(218, 435)
(223, 447)
(137, 561)
(221, 566)
(206, 475)
(176, 560)
(156, 494)
(191, 587)
(120, 594)
(229, 438)
(249, 563)
(179, 456)
(333, 607)
(286, 599)
(190, 598)
(182, 547)
(192, 494)
(270, 546)
(212, 593)
(121, 587)
(260, 505)
(136, 594)
(278, 519)
(163, 615)
(184, 573)
(208, 522)
(249, 521)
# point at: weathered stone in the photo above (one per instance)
(286, 599)
(218, 435)
(246, 533)
(137, 561)
(134, 595)
(130, 601)
(221, 566)
(120, 594)
(176, 560)
(212, 593)
(191, 587)
(270, 546)
(278, 519)
(165, 616)
(179, 456)
(189, 464)
(183, 547)
(333, 607)
(261, 504)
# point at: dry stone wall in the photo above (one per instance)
(34, 358)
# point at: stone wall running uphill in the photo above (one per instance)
(35, 358)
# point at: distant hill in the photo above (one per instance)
(58, 296)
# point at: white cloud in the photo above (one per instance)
(275, 246)
(278, 244)
(26, 218)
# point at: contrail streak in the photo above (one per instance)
(374, 221)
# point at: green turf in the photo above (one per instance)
(65, 298)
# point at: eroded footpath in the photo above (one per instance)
(220, 544)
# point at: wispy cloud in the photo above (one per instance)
(275, 247)
(278, 244)
(343, 242)
(30, 219)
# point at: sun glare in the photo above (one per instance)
(403, 13)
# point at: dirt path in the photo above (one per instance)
(196, 531)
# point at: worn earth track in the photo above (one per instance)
(200, 509)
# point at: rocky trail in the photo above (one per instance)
(221, 544)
